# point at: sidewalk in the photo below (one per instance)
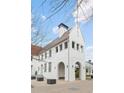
(77, 86)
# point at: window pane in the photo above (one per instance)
(31, 58)
(45, 67)
(81, 48)
(86, 70)
(42, 56)
(50, 66)
(50, 53)
(60, 47)
(56, 49)
(77, 46)
(73, 44)
(66, 45)
(45, 55)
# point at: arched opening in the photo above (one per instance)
(61, 71)
(77, 71)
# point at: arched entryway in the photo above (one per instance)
(61, 70)
(77, 71)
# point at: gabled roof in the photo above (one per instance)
(35, 50)
(58, 40)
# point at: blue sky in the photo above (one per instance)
(40, 13)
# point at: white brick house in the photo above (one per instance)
(62, 56)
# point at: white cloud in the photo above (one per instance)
(46, 42)
(89, 53)
(43, 17)
(55, 30)
(33, 29)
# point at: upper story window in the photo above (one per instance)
(45, 54)
(50, 66)
(45, 67)
(86, 70)
(73, 44)
(50, 53)
(77, 46)
(42, 56)
(56, 49)
(81, 48)
(66, 45)
(60, 47)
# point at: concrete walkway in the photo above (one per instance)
(77, 86)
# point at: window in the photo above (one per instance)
(31, 67)
(56, 49)
(77, 46)
(50, 66)
(66, 45)
(50, 53)
(45, 67)
(81, 48)
(60, 47)
(41, 68)
(86, 70)
(73, 44)
(42, 56)
(46, 55)
(31, 58)
(35, 73)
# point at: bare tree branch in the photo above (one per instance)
(55, 11)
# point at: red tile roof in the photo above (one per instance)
(35, 50)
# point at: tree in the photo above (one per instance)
(82, 11)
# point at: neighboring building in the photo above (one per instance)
(35, 50)
(89, 68)
(60, 58)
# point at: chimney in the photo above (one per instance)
(62, 29)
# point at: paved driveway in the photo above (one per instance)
(77, 86)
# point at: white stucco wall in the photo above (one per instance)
(76, 55)
(68, 56)
(56, 58)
